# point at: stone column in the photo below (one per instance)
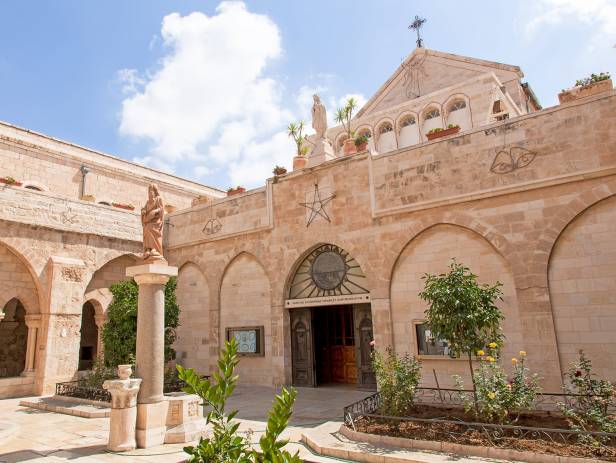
(151, 406)
(123, 418)
(100, 322)
(33, 322)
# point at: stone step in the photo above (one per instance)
(69, 406)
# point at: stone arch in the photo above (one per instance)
(194, 331)
(246, 301)
(582, 288)
(430, 251)
(340, 138)
(385, 135)
(428, 123)
(112, 271)
(407, 126)
(35, 186)
(18, 280)
(462, 117)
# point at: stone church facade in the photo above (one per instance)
(310, 269)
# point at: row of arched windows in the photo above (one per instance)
(410, 127)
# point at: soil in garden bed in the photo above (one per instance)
(461, 434)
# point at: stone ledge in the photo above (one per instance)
(66, 406)
(337, 440)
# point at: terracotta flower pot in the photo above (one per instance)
(236, 191)
(299, 162)
(349, 147)
(442, 133)
(362, 147)
(9, 182)
(128, 207)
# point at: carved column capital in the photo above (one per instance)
(100, 320)
(33, 321)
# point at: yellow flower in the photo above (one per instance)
(490, 359)
(492, 345)
(514, 361)
(522, 353)
(480, 353)
(491, 395)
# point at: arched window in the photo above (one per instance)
(104, 203)
(457, 105)
(33, 187)
(432, 113)
(386, 127)
(409, 132)
(407, 120)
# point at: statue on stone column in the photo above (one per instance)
(319, 117)
(152, 216)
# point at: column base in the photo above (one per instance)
(151, 424)
(27, 373)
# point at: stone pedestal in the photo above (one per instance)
(123, 410)
(150, 358)
(322, 152)
(185, 421)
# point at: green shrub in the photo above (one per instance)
(225, 444)
(591, 410)
(120, 332)
(398, 378)
(500, 398)
(593, 78)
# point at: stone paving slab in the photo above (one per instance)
(67, 406)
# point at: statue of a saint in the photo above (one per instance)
(319, 117)
(152, 215)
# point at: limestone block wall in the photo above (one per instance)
(193, 334)
(431, 252)
(505, 223)
(582, 278)
(55, 166)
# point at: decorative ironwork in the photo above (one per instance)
(453, 397)
(79, 390)
(416, 25)
(327, 271)
(212, 226)
(317, 206)
(507, 161)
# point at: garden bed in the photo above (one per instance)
(541, 432)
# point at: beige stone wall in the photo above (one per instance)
(193, 335)
(431, 252)
(55, 166)
(245, 301)
(382, 203)
(582, 277)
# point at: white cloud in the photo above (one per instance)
(599, 13)
(210, 109)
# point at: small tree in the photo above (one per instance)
(225, 445)
(120, 331)
(463, 312)
(345, 114)
(296, 132)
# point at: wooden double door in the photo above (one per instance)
(332, 345)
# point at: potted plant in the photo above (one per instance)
(343, 116)
(279, 170)
(235, 191)
(591, 85)
(296, 132)
(439, 132)
(128, 207)
(89, 198)
(10, 181)
(361, 143)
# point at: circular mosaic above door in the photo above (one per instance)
(327, 271)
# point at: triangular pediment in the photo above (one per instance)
(427, 71)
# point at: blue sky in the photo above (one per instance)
(205, 89)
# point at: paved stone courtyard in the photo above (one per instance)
(45, 437)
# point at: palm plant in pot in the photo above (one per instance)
(296, 132)
(343, 116)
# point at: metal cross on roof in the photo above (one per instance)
(416, 25)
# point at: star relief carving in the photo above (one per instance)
(317, 205)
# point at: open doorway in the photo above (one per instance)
(332, 345)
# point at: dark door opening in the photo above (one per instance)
(331, 345)
(334, 345)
